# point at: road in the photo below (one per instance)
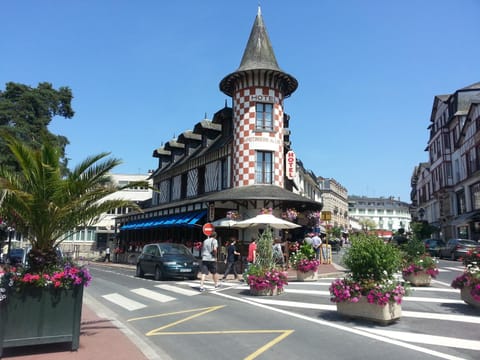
(173, 320)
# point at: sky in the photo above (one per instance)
(142, 72)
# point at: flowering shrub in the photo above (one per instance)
(64, 276)
(270, 279)
(233, 215)
(372, 265)
(303, 259)
(423, 263)
(306, 265)
(290, 214)
(471, 275)
(293, 247)
(348, 290)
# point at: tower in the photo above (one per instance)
(258, 88)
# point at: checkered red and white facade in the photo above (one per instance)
(248, 140)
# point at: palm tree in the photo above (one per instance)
(44, 205)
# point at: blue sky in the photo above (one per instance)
(142, 72)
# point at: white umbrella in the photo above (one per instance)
(224, 222)
(266, 219)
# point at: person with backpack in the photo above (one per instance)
(209, 260)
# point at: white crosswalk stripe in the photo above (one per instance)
(153, 295)
(426, 339)
(124, 302)
(178, 290)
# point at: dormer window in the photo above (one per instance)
(264, 117)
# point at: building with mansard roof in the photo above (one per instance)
(239, 162)
(446, 189)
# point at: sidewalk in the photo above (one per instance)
(101, 338)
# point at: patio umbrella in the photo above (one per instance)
(266, 219)
(224, 222)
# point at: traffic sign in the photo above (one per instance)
(208, 229)
(326, 215)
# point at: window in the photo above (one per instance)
(264, 167)
(461, 207)
(475, 194)
(264, 116)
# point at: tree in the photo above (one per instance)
(367, 224)
(26, 112)
(44, 205)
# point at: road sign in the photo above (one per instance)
(326, 215)
(208, 229)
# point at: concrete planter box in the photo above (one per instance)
(265, 292)
(307, 276)
(420, 278)
(365, 311)
(468, 298)
(41, 316)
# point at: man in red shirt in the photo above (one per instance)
(252, 251)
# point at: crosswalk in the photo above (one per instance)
(168, 292)
(435, 316)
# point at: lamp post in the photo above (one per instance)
(421, 213)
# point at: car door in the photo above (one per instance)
(147, 261)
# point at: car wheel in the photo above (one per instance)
(158, 273)
(452, 256)
(139, 272)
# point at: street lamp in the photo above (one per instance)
(421, 213)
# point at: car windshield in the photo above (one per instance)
(174, 249)
(16, 252)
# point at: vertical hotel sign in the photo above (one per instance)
(291, 165)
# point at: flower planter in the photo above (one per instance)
(265, 292)
(420, 278)
(372, 312)
(41, 316)
(307, 276)
(466, 296)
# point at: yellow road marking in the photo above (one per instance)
(269, 345)
(203, 311)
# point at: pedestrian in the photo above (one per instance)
(278, 253)
(308, 239)
(252, 252)
(209, 260)
(107, 255)
(232, 256)
(316, 243)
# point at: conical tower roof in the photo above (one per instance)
(259, 56)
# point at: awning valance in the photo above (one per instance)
(178, 220)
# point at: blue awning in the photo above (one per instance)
(179, 220)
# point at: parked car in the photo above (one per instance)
(457, 248)
(167, 260)
(17, 256)
(434, 246)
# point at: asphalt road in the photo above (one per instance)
(173, 320)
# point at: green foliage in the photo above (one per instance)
(44, 205)
(370, 259)
(26, 113)
(264, 258)
(422, 229)
(305, 251)
(367, 224)
(413, 249)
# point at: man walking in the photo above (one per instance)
(232, 255)
(209, 260)
(316, 243)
